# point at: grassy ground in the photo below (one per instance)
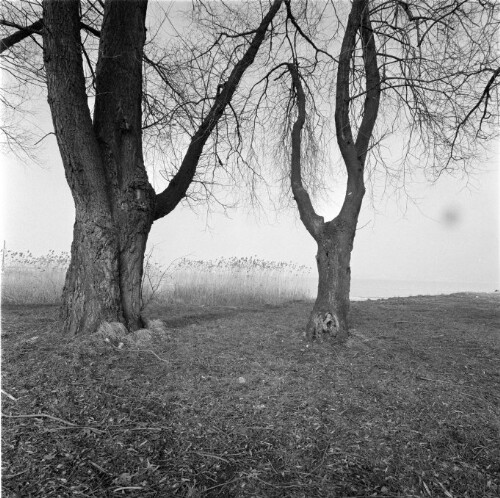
(231, 402)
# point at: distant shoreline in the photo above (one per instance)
(363, 289)
(490, 293)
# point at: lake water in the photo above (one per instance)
(373, 289)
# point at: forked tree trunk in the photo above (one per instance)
(114, 202)
(329, 317)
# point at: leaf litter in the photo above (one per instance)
(409, 408)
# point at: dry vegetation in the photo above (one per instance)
(229, 401)
(226, 281)
(29, 279)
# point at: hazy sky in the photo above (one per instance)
(450, 233)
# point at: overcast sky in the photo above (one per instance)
(451, 234)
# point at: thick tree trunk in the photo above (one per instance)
(92, 292)
(103, 282)
(131, 272)
(103, 161)
(329, 317)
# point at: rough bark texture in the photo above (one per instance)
(103, 162)
(329, 317)
(118, 128)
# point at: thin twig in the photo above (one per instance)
(148, 351)
(224, 483)
(11, 476)
(434, 380)
(114, 428)
(211, 456)
(408, 321)
(277, 486)
(39, 415)
(322, 459)
(93, 429)
(45, 415)
(9, 395)
(99, 468)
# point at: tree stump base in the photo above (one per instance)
(322, 326)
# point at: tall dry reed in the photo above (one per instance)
(29, 279)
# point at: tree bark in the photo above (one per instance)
(91, 292)
(114, 201)
(118, 128)
(329, 317)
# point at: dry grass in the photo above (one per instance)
(27, 279)
(227, 281)
(231, 402)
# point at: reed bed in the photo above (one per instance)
(29, 279)
(233, 281)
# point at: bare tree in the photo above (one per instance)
(103, 154)
(427, 72)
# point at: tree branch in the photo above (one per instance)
(312, 221)
(373, 89)
(167, 200)
(22, 33)
(342, 121)
(68, 99)
(33, 29)
(90, 29)
(355, 153)
(118, 83)
(301, 32)
(484, 96)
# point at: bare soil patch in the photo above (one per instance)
(232, 402)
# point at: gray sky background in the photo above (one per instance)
(450, 233)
